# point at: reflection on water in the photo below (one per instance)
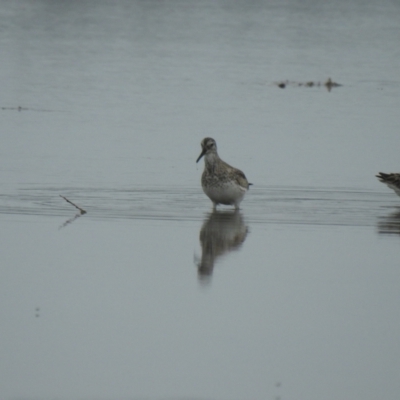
(72, 219)
(389, 224)
(266, 204)
(221, 233)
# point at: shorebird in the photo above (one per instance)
(222, 183)
(392, 180)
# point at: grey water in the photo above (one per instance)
(150, 294)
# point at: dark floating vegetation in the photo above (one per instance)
(329, 84)
(19, 109)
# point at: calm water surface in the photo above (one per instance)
(152, 295)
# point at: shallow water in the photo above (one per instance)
(279, 205)
(150, 294)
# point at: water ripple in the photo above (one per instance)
(277, 205)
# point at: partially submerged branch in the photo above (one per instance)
(82, 211)
(70, 220)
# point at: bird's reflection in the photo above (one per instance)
(221, 233)
(390, 224)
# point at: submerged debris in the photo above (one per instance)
(329, 84)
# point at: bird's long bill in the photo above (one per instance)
(201, 155)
